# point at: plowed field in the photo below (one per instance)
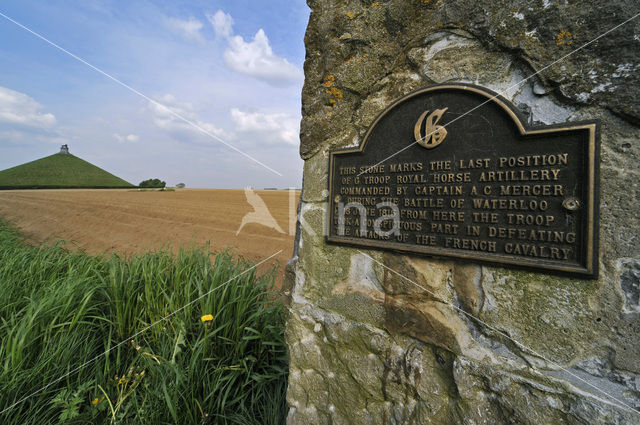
(126, 221)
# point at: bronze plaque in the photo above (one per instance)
(455, 171)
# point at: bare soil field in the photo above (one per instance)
(129, 221)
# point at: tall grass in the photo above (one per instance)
(59, 310)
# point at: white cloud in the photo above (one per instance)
(167, 112)
(132, 138)
(222, 23)
(274, 128)
(256, 58)
(19, 108)
(189, 28)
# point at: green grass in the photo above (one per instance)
(61, 309)
(59, 171)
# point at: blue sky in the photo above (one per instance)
(233, 68)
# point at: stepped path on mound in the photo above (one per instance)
(130, 221)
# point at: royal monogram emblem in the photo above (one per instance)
(434, 134)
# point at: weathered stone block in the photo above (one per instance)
(380, 337)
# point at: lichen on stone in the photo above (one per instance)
(452, 342)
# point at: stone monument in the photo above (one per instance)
(518, 305)
(64, 150)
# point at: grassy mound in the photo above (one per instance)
(59, 171)
(221, 359)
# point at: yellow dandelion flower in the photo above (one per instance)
(207, 318)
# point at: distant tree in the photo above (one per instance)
(154, 183)
(180, 185)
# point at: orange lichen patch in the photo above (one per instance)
(329, 80)
(350, 15)
(564, 37)
(355, 60)
(334, 92)
(336, 95)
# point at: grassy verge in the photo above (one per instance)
(59, 310)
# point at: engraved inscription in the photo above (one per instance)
(497, 191)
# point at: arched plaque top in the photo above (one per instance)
(489, 97)
(469, 178)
